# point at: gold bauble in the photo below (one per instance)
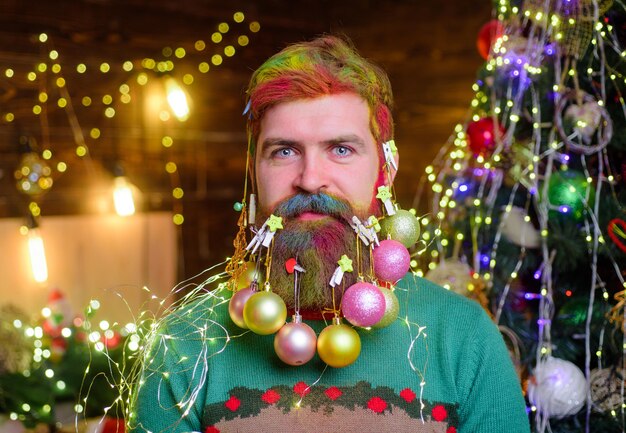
(338, 345)
(265, 313)
(247, 276)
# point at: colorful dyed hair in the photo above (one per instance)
(327, 65)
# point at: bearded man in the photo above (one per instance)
(319, 115)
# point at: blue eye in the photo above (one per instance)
(342, 150)
(285, 152)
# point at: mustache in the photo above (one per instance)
(316, 203)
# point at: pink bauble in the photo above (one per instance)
(391, 260)
(235, 306)
(295, 343)
(363, 304)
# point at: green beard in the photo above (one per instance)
(317, 245)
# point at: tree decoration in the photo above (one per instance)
(483, 136)
(487, 36)
(15, 347)
(338, 345)
(569, 193)
(392, 308)
(517, 228)
(296, 342)
(617, 233)
(363, 304)
(265, 312)
(403, 227)
(391, 261)
(453, 275)
(237, 302)
(557, 388)
(33, 176)
(607, 388)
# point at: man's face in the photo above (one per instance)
(317, 145)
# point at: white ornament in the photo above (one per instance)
(518, 230)
(557, 388)
(453, 275)
(586, 118)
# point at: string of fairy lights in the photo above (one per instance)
(53, 72)
(484, 154)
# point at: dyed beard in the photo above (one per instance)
(317, 245)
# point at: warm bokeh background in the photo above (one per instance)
(428, 49)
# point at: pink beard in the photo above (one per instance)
(317, 245)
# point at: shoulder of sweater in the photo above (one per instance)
(427, 298)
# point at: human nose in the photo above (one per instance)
(312, 176)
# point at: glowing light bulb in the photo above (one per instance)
(37, 254)
(177, 99)
(123, 197)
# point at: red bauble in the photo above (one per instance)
(487, 34)
(481, 136)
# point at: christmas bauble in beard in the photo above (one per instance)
(338, 345)
(403, 227)
(265, 313)
(391, 261)
(236, 304)
(392, 308)
(248, 275)
(557, 388)
(295, 343)
(363, 304)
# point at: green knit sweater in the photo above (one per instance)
(441, 367)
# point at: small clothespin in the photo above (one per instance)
(385, 195)
(291, 265)
(345, 265)
(389, 150)
(363, 232)
(273, 224)
(374, 227)
(257, 239)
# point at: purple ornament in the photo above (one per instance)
(391, 260)
(295, 343)
(235, 306)
(363, 304)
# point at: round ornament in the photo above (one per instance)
(33, 176)
(606, 388)
(487, 35)
(391, 260)
(392, 308)
(338, 345)
(236, 304)
(295, 343)
(481, 136)
(567, 191)
(265, 313)
(557, 388)
(518, 230)
(453, 275)
(403, 227)
(247, 277)
(363, 304)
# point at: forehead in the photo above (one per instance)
(342, 113)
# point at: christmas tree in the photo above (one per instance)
(527, 205)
